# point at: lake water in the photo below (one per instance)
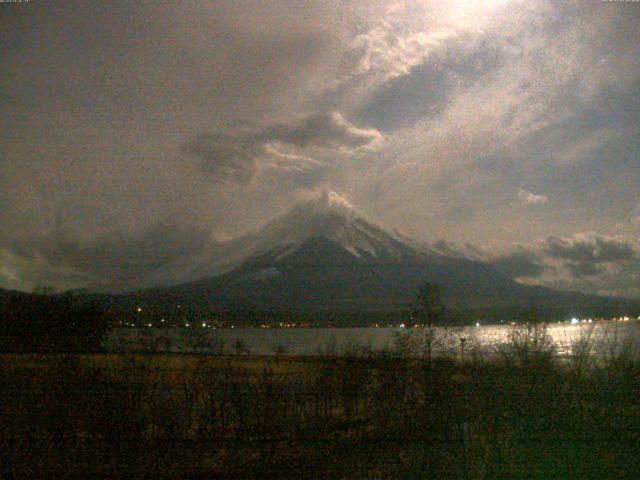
(313, 341)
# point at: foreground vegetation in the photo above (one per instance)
(521, 414)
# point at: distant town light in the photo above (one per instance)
(574, 321)
(477, 324)
(139, 309)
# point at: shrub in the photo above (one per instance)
(526, 345)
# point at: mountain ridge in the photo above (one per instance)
(322, 256)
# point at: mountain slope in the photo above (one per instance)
(328, 217)
(323, 274)
(322, 257)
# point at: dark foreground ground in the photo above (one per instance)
(187, 416)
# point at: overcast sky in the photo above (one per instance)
(134, 133)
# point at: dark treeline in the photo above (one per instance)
(179, 312)
(77, 321)
(51, 323)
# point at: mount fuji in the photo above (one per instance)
(323, 258)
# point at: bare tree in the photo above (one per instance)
(428, 311)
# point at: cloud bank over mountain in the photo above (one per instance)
(497, 123)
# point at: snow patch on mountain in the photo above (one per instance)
(460, 250)
(328, 216)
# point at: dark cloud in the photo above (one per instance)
(586, 252)
(571, 259)
(425, 91)
(226, 158)
(586, 262)
(114, 261)
(238, 157)
(592, 263)
(583, 269)
(324, 130)
(519, 264)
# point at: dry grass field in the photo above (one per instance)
(193, 416)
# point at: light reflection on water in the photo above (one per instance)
(313, 341)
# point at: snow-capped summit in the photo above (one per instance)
(325, 202)
(329, 216)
